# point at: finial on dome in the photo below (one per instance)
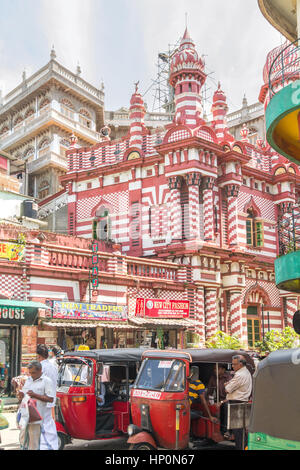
(136, 86)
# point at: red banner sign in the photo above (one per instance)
(160, 308)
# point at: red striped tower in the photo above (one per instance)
(193, 181)
(232, 191)
(136, 116)
(175, 203)
(200, 315)
(211, 321)
(187, 78)
(208, 207)
(219, 110)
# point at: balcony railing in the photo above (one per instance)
(289, 229)
(285, 67)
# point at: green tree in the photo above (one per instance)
(221, 340)
(275, 339)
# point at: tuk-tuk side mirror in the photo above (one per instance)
(296, 322)
(99, 368)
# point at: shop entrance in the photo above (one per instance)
(9, 357)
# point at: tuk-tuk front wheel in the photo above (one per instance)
(62, 440)
(142, 446)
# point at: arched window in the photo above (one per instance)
(291, 169)
(102, 225)
(67, 108)
(29, 115)
(280, 171)
(254, 230)
(18, 121)
(29, 154)
(253, 325)
(85, 118)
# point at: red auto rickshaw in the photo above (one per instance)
(80, 377)
(159, 400)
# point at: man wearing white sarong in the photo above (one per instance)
(49, 439)
(40, 388)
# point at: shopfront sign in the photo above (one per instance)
(159, 308)
(10, 315)
(12, 251)
(88, 311)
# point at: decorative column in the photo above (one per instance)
(193, 182)
(208, 208)
(236, 316)
(200, 314)
(232, 191)
(175, 203)
(211, 321)
(291, 308)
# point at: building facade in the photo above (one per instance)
(192, 194)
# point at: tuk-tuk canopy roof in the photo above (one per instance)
(276, 399)
(202, 355)
(109, 355)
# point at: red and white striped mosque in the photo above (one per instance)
(181, 213)
(189, 194)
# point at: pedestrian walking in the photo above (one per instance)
(49, 439)
(39, 388)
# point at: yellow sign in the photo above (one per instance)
(83, 347)
(12, 251)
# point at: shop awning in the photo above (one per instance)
(174, 322)
(19, 312)
(82, 324)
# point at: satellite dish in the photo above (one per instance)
(296, 322)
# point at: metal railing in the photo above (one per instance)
(289, 230)
(285, 67)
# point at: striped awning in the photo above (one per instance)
(92, 324)
(174, 322)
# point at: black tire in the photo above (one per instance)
(142, 446)
(62, 440)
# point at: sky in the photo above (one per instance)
(118, 41)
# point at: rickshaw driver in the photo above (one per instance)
(196, 392)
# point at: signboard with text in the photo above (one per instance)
(88, 311)
(160, 308)
(12, 251)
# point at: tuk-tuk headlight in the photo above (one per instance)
(132, 429)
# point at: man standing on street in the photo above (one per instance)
(49, 439)
(40, 388)
(239, 390)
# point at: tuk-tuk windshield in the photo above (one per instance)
(161, 374)
(76, 371)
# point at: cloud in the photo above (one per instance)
(70, 26)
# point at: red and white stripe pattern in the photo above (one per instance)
(208, 208)
(200, 315)
(193, 181)
(176, 212)
(211, 321)
(236, 316)
(219, 111)
(291, 307)
(137, 113)
(232, 194)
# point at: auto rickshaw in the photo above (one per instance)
(275, 413)
(160, 408)
(80, 377)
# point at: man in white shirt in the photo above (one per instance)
(40, 388)
(239, 389)
(49, 439)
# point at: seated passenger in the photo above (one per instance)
(100, 398)
(223, 377)
(196, 393)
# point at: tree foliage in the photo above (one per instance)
(276, 339)
(221, 340)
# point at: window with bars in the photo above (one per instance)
(135, 224)
(254, 231)
(253, 326)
